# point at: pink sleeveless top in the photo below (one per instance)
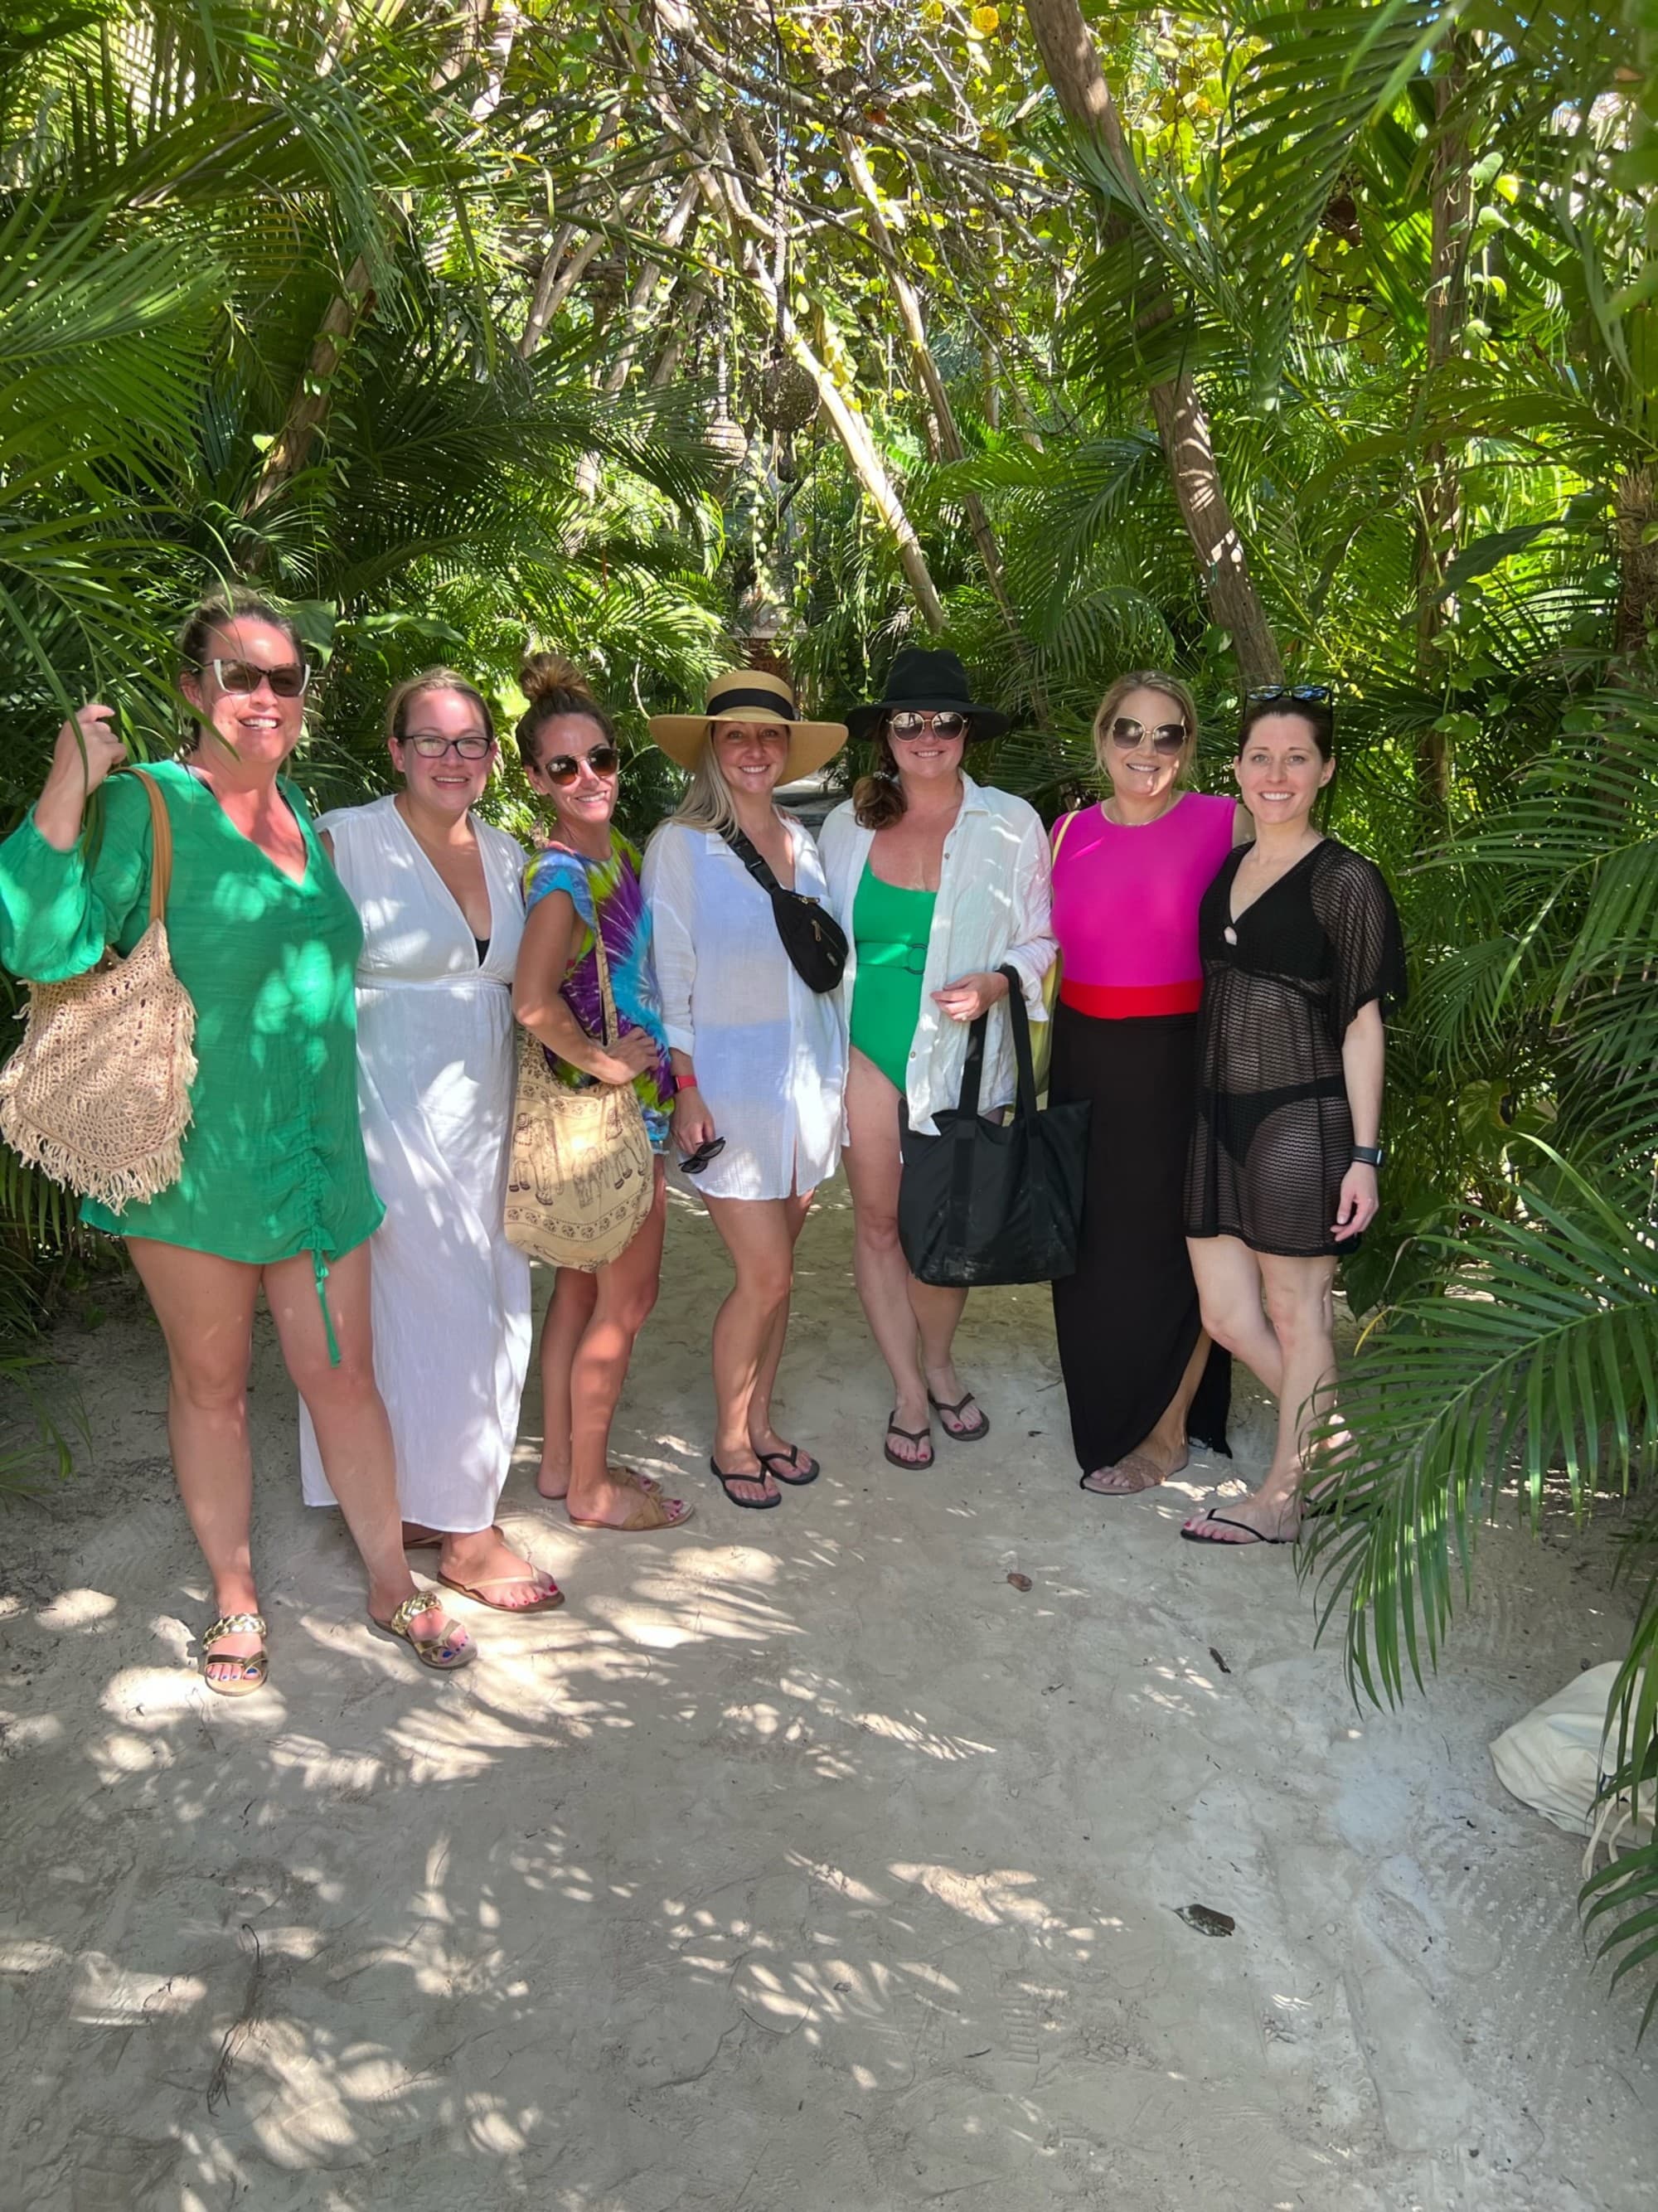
(1125, 907)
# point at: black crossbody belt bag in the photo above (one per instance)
(812, 937)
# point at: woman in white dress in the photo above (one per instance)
(760, 1059)
(442, 910)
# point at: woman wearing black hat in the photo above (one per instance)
(937, 882)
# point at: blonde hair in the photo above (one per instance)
(1146, 679)
(432, 679)
(707, 803)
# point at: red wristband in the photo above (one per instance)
(687, 1081)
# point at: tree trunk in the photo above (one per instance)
(1439, 517)
(1637, 558)
(646, 290)
(290, 450)
(1072, 63)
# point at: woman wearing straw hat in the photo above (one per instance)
(759, 1057)
(937, 882)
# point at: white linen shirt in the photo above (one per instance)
(769, 1053)
(992, 910)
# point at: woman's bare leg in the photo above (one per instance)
(568, 1312)
(759, 1234)
(205, 1307)
(878, 1267)
(763, 1435)
(352, 1434)
(1299, 1318)
(624, 1293)
(1229, 1280)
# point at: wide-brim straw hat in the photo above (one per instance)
(936, 682)
(750, 694)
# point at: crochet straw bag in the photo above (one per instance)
(582, 1177)
(98, 1093)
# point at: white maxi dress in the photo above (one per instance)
(434, 1087)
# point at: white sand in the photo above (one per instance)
(801, 1862)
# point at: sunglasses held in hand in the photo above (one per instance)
(709, 1148)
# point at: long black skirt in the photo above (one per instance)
(1128, 1320)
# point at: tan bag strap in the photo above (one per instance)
(1057, 837)
(161, 827)
(612, 1024)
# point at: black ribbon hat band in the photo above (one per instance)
(740, 697)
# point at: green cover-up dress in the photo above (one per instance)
(273, 1159)
(890, 927)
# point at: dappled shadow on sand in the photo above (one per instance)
(801, 1861)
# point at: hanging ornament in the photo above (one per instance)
(786, 397)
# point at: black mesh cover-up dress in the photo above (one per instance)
(1273, 1135)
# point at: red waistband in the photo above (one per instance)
(1113, 1002)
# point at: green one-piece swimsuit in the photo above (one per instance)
(273, 1163)
(890, 927)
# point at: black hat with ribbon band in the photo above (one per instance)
(750, 694)
(932, 681)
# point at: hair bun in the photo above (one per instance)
(543, 673)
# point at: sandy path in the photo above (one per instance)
(801, 1862)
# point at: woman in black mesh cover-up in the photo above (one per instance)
(1302, 956)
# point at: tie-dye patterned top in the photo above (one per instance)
(612, 886)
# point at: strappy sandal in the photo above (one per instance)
(946, 1413)
(440, 1653)
(653, 1512)
(1193, 1534)
(910, 1436)
(245, 1684)
(808, 1469)
(748, 1505)
(1141, 1471)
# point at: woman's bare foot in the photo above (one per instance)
(908, 1440)
(746, 1482)
(231, 1652)
(1257, 1519)
(1143, 1468)
(625, 1500)
(482, 1558)
(798, 1467)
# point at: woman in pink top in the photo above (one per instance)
(1128, 874)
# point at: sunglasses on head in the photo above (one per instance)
(430, 746)
(288, 679)
(946, 724)
(710, 1148)
(1167, 738)
(563, 769)
(1311, 694)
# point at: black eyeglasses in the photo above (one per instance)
(1315, 694)
(1168, 738)
(430, 746)
(563, 769)
(287, 680)
(946, 723)
(710, 1148)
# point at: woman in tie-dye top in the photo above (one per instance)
(588, 880)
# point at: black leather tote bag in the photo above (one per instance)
(995, 1202)
(812, 937)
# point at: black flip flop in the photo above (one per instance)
(748, 1505)
(910, 1436)
(809, 1470)
(960, 1435)
(1222, 1544)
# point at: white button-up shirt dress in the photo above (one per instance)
(770, 1054)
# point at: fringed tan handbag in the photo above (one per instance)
(582, 1177)
(98, 1093)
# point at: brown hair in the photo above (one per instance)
(1319, 715)
(432, 679)
(878, 799)
(1146, 679)
(219, 609)
(554, 686)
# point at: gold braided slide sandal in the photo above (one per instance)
(442, 1653)
(255, 1667)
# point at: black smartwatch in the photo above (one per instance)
(1367, 1156)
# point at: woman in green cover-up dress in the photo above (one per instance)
(275, 1188)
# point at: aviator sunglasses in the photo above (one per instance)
(287, 681)
(563, 769)
(908, 724)
(1168, 738)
